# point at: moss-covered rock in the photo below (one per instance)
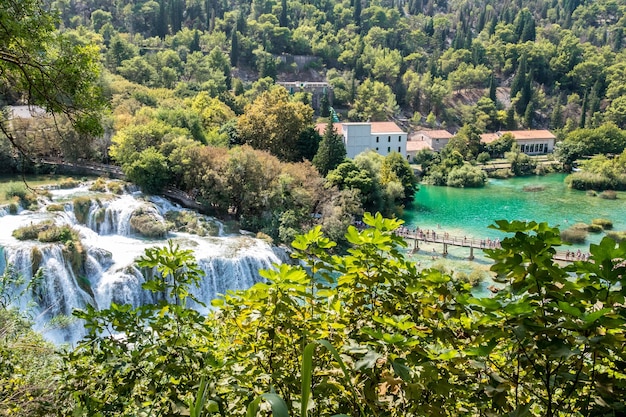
(606, 224)
(190, 222)
(76, 255)
(36, 258)
(148, 223)
(574, 235)
(55, 207)
(81, 209)
(98, 185)
(116, 187)
(31, 232)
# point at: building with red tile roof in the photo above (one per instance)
(436, 139)
(531, 142)
(382, 137)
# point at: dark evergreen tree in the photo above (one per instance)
(480, 25)
(161, 23)
(529, 114)
(526, 95)
(283, 21)
(583, 112)
(520, 77)
(429, 27)
(331, 151)
(618, 39)
(510, 118)
(529, 32)
(556, 120)
(357, 14)
(324, 105)
(234, 48)
(307, 144)
(492, 89)
(195, 42)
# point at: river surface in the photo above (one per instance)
(470, 211)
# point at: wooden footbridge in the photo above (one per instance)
(447, 240)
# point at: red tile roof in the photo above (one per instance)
(488, 137)
(385, 127)
(376, 127)
(531, 134)
(519, 135)
(436, 134)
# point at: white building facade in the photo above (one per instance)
(382, 137)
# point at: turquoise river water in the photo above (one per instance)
(469, 212)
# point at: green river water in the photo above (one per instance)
(469, 212)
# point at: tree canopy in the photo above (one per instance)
(40, 66)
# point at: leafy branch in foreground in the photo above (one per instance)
(400, 341)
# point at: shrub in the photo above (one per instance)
(483, 157)
(99, 185)
(466, 176)
(20, 194)
(68, 183)
(574, 235)
(608, 195)
(56, 234)
(13, 207)
(606, 224)
(116, 187)
(502, 173)
(591, 193)
(16, 190)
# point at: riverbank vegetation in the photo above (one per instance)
(549, 341)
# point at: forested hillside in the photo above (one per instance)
(558, 62)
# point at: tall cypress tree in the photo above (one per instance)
(520, 77)
(331, 151)
(283, 14)
(161, 24)
(492, 89)
(234, 47)
(357, 15)
(556, 119)
(583, 112)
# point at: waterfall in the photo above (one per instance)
(108, 272)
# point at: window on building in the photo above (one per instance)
(376, 139)
(399, 138)
(389, 149)
(388, 138)
(399, 149)
(376, 149)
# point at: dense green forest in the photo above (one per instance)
(187, 83)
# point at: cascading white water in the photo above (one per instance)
(229, 262)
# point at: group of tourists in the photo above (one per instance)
(577, 256)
